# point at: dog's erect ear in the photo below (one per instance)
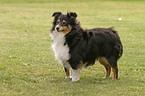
(56, 14)
(71, 14)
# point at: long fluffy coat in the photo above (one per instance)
(77, 48)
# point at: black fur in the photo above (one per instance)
(88, 45)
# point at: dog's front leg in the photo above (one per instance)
(75, 74)
(67, 73)
(66, 69)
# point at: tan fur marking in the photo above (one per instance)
(67, 73)
(114, 77)
(66, 29)
(69, 56)
(103, 61)
(106, 64)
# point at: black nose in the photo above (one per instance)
(57, 28)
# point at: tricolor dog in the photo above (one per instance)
(77, 48)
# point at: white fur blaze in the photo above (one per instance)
(60, 50)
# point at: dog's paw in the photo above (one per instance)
(68, 77)
(74, 79)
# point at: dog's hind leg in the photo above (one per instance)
(115, 71)
(106, 64)
(113, 63)
(108, 70)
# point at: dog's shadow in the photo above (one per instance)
(95, 80)
(84, 80)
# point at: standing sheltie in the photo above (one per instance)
(77, 48)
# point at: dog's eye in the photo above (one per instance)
(64, 23)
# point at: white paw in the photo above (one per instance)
(68, 77)
(75, 75)
(75, 79)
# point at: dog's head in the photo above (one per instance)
(64, 22)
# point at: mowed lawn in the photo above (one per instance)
(27, 63)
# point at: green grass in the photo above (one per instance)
(27, 63)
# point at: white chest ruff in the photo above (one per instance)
(60, 50)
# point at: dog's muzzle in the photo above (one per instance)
(57, 28)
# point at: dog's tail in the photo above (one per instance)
(118, 46)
